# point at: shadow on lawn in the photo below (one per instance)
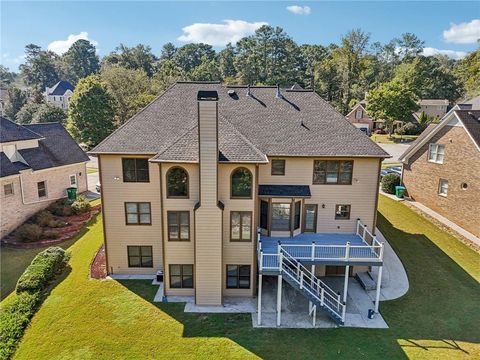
(439, 310)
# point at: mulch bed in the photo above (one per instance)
(75, 224)
(98, 268)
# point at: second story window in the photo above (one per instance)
(241, 183)
(436, 153)
(332, 172)
(281, 217)
(296, 216)
(359, 114)
(138, 213)
(278, 167)
(177, 182)
(240, 226)
(135, 170)
(42, 189)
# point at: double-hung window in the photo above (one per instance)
(436, 153)
(138, 213)
(332, 172)
(73, 180)
(135, 170)
(42, 189)
(178, 225)
(181, 276)
(278, 167)
(238, 276)
(140, 256)
(342, 212)
(241, 226)
(8, 189)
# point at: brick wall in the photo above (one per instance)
(461, 165)
(14, 211)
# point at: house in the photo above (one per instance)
(359, 118)
(188, 180)
(38, 162)
(442, 167)
(432, 107)
(59, 94)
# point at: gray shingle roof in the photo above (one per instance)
(60, 88)
(471, 120)
(284, 190)
(433, 102)
(299, 124)
(56, 148)
(10, 131)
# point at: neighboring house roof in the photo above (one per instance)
(474, 102)
(10, 131)
(470, 119)
(284, 190)
(361, 104)
(250, 127)
(433, 102)
(60, 88)
(56, 148)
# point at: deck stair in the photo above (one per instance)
(366, 280)
(316, 291)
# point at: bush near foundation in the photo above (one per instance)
(80, 205)
(389, 182)
(29, 233)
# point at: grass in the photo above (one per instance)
(437, 319)
(91, 170)
(15, 261)
(387, 139)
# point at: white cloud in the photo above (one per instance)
(464, 33)
(457, 55)
(61, 46)
(219, 34)
(299, 10)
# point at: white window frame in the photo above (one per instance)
(75, 184)
(359, 111)
(12, 187)
(436, 153)
(443, 187)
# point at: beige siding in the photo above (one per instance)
(119, 235)
(236, 253)
(15, 209)
(208, 217)
(360, 195)
(179, 252)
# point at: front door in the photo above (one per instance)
(310, 218)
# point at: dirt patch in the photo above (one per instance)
(98, 268)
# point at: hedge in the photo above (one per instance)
(16, 315)
(42, 269)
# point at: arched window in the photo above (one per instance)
(241, 183)
(177, 182)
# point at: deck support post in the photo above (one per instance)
(279, 300)
(259, 306)
(379, 284)
(345, 285)
(312, 285)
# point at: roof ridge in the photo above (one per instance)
(23, 126)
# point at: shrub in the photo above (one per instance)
(81, 205)
(61, 208)
(43, 218)
(408, 129)
(389, 182)
(55, 223)
(42, 269)
(51, 234)
(14, 318)
(380, 132)
(28, 233)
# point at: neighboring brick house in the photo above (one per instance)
(359, 118)
(188, 180)
(59, 94)
(38, 162)
(442, 168)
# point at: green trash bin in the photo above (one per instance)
(72, 193)
(399, 191)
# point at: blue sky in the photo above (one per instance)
(451, 26)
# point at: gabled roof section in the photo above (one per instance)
(360, 104)
(299, 123)
(60, 88)
(10, 131)
(470, 119)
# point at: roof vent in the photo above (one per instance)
(279, 94)
(248, 90)
(231, 92)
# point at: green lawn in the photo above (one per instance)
(91, 170)
(13, 263)
(437, 319)
(387, 139)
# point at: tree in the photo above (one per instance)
(409, 46)
(310, 57)
(226, 62)
(190, 56)
(168, 51)
(16, 98)
(468, 73)
(81, 60)
(139, 57)
(167, 74)
(208, 70)
(391, 101)
(41, 68)
(49, 113)
(26, 113)
(6, 77)
(91, 111)
(126, 86)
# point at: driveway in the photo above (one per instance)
(395, 150)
